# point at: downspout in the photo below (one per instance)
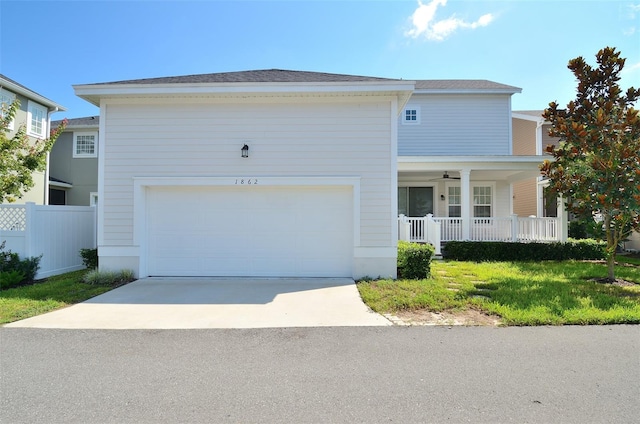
(46, 170)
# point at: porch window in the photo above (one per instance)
(415, 201)
(455, 207)
(482, 199)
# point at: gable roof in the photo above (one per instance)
(15, 87)
(261, 83)
(464, 86)
(255, 76)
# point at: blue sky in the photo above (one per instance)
(50, 45)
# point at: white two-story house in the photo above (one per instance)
(292, 173)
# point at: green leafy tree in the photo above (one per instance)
(20, 155)
(597, 166)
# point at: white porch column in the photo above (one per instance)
(465, 203)
(563, 220)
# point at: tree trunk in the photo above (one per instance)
(611, 248)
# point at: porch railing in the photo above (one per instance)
(514, 228)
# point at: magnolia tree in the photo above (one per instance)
(20, 156)
(597, 165)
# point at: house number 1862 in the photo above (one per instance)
(242, 181)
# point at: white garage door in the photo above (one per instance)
(250, 231)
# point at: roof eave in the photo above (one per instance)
(51, 105)
(468, 91)
(93, 92)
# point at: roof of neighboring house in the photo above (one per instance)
(264, 75)
(87, 121)
(536, 113)
(16, 87)
(464, 86)
(529, 115)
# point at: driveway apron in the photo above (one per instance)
(182, 303)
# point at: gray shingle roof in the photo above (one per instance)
(463, 85)
(265, 75)
(87, 121)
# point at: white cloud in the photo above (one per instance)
(631, 68)
(425, 24)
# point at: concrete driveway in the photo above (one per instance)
(181, 303)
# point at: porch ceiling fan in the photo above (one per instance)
(445, 176)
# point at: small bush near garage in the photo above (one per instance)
(89, 258)
(109, 278)
(481, 251)
(15, 271)
(414, 260)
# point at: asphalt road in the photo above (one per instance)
(364, 374)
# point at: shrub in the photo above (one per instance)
(481, 251)
(414, 260)
(10, 279)
(11, 266)
(89, 258)
(109, 278)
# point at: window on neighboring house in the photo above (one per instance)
(6, 98)
(57, 196)
(482, 200)
(411, 115)
(415, 201)
(85, 144)
(36, 119)
(455, 207)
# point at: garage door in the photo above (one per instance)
(250, 231)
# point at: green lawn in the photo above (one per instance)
(521, 293)
(54, 293)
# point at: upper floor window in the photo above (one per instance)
(36, 119)
(6, 98)
(85, 144)
(482, 200)
(411, 115)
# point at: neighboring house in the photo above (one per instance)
(456, 160)
(35, 113)
(73, 164)
(531, 137)
(312, 194)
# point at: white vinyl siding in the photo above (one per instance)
(85, 144)
(36, 120)
(458, 124)
(285, 139)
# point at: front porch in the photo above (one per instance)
(444, 198)
(436, 230)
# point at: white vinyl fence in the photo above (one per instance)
(55, 232)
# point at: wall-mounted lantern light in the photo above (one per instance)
(245, 151)
(442, 197)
